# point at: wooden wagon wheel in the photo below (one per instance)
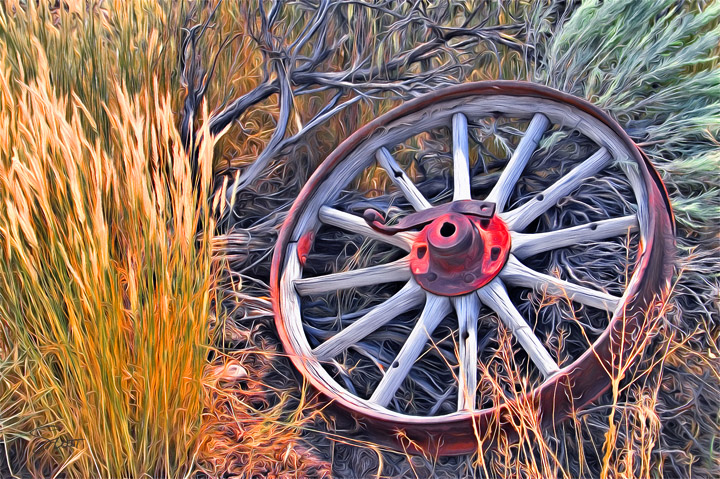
(394, 237)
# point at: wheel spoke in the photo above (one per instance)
(524, 245)
(524, 215)
(385, 273)
(461, 158)
(356, 224)
(518, 274)
(510, 175)
(495, 296)
(401, 180)
(408, 297)
(436, 308)
(468, 310)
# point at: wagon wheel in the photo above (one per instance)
(402, 262)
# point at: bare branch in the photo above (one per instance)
(267, 154)
(305, 46)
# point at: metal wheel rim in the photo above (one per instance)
(456, 433)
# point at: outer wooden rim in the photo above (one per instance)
(576, 385)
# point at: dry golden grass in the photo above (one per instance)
(108, 285)
(251, 430)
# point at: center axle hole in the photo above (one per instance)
(447, 230)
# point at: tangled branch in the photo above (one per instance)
(354, 49)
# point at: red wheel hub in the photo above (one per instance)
(457, 254)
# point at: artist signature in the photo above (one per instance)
(60, 442)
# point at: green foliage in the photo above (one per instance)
(654, 66)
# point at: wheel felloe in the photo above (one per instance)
(477, 258)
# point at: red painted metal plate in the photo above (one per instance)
(457, 254)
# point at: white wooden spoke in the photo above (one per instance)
(510, 175)
(521, 217)
(408, 297)
(385, 273)
(356, 224)
(436, 308)
(495, 296)
(467, 308)
(401, 180)
(461, 158)
(518, 274)
(524, 245)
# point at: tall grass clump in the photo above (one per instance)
(106, 282)
(110, 289)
